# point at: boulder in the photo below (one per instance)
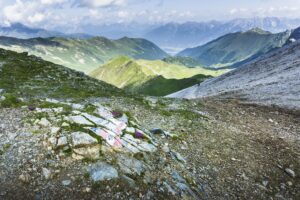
(130, 130)
(62, 142)
(44, 122)
(81, 139)
(130, 165)
(46, 173)
(66, 182)
(101, 171)
(54, 130)
(52, 141)
(77, 119)
(92, 152)
(124, 119)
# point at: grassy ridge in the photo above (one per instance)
(31, 76)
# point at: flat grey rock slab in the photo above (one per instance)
(101, 171)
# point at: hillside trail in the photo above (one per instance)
(232, 150)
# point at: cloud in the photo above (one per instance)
(101, 3)
(30, 11)
(14, 12)
(123, 14)
(280, 11)
(51, 2)
(37, 17)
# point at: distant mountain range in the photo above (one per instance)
(21, 31)
(84, 54)
(235, 48)
(172, 37)
(156, 78)
(175, 36)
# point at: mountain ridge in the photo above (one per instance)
(237, 47)
(84, 54)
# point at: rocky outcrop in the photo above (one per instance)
(272, 79)
(115, 146)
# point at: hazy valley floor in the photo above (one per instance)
(233, 151)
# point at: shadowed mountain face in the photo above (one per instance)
(295, 35)
(272, 79)
(237, 47)
(84, 54)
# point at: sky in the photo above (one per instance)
(70, 14)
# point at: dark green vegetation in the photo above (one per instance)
(29, 76)
(236, 47)
(160, 86)
(84, 54)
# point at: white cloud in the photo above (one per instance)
(14, 12)
(280, 11)
(50, 2)
(123, 14)
(37, 17)
(29, 11)
(101, 3)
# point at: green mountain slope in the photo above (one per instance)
(236, 47)
(83, 54)
(32, 76)
(149, 77)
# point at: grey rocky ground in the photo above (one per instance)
(210, 150)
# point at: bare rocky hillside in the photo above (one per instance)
(273, 79)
